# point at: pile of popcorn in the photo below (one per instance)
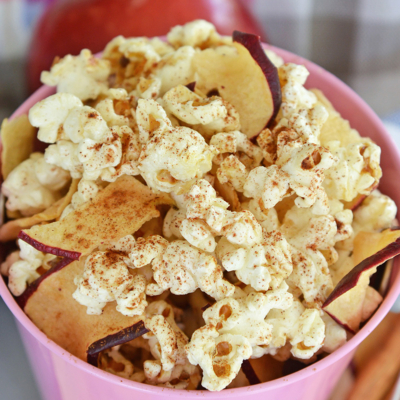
(257, 229)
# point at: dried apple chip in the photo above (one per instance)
(54, 311)
(118, 210)
(17, 138)
(346, 302)
(336, 127)
(11, 229)
(247, 79)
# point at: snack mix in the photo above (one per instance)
(160, 206)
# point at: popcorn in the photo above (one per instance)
(175, 68)
(192, 108)
(131, 149)
(139, 50)
(172, 223)
(97, 157)
(299, 167)
(182, 268)
(263, 265)
(233, 171)
(268, 219)
(303, 328)
(219, 356)
(151, 119)
(169, 160)
(64, 154)
(85, 123)
(50, 113)
(310, 275)
(24, 270)
(237, 141)
(167, 345)
(113, 361)
(34, 185)
(294, 95)
(106, 278)
(198, 234)
(108, 109)
(357, 172)
(198, 33)
(375, 214)
(235, 330)
(202, 202)
(84, 76)
(308, 123)
(243, 229)
(147, 88)
(146, 250)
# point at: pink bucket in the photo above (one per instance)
(61, 376)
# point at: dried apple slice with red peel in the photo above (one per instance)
(11, 229)
(118, 210)
(345, 303)
(54, 311)
(247, 79)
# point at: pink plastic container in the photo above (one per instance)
(62, 376)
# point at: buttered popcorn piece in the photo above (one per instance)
(167, 345)
(308, 239)
(191, 108)
(219, 356)
(302, 328)
(147, 88)
(171, 159)
(85, 76)
(300, 167)
(198, 33)
(182, 268)
(130, 149)
(376, 213)
(175, 68)
(357, 172)
(294, 95)
(34, 185)
(24, 270)
(151, 119)
(237, 141)
(245, 316)
(233, 171)
(106, 278)
(262, 265)
(50, 113)
(108, 108)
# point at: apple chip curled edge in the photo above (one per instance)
(346, 302)
(118, 210)
(247, 79)
(17, 137)
(54, 311)
(11, 229)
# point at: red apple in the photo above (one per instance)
(246, 78)
(346, 302)
(118, 210)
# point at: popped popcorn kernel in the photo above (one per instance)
(84, 76)
(34, 185)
